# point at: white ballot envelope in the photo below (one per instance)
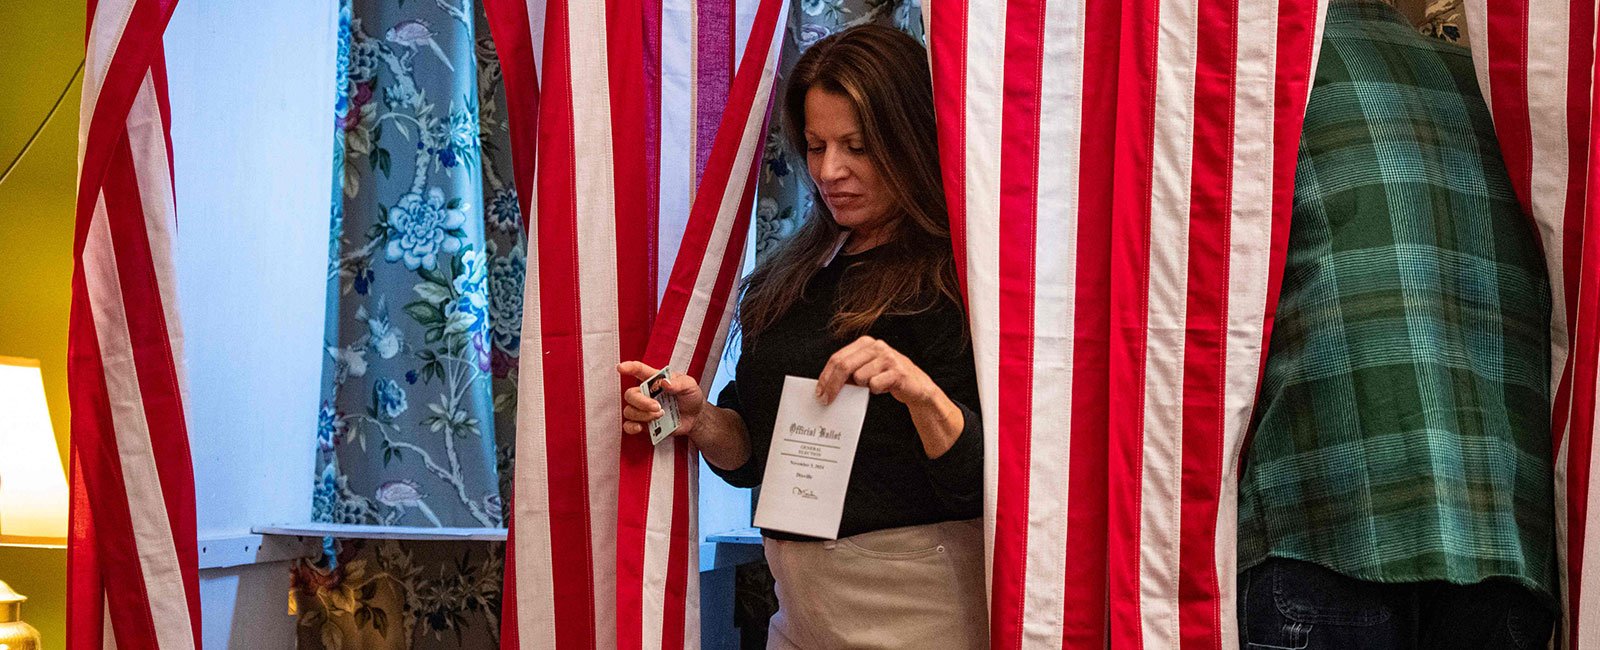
(808, 466)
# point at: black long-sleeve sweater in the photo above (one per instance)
(893, 482)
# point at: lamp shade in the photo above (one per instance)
(33, 488)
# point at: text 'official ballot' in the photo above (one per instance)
(808, 466)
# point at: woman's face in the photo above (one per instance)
(837, 159)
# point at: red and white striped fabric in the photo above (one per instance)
(1536, 65)
(604, 548)
(657, 536)
(1119, 176)
(132, 564)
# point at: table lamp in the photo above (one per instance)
(33, 488)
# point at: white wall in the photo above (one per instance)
(252, 93)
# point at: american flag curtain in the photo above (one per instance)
(1536, 63)
(1119, 175)
(605, 550)
(1143, 155)
(132, 565)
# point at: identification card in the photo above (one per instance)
(808, 465)
(661, 428)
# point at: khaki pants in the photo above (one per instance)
(915, 587)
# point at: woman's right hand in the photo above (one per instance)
(638, 409)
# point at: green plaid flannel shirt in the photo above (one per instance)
(1403, 430)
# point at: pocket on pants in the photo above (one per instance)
(1529, 625)
(1292, 605)
(910, 543)
(1311, 595)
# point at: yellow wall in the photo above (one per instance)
(42, 47)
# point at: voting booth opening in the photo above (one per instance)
(833, 323)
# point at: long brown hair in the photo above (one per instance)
(884, 75)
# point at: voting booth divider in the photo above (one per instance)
(1119, 177)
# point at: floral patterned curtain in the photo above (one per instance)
(422, 328)
(424, 311)
(390, 594)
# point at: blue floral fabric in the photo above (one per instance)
(426, 257)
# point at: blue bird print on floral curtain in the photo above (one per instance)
(424, 313)
(418, 384)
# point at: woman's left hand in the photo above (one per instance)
(874, 364)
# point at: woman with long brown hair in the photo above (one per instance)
(866, 294)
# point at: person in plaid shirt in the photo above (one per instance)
(1397, 490)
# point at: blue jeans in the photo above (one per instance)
(1292, 605)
